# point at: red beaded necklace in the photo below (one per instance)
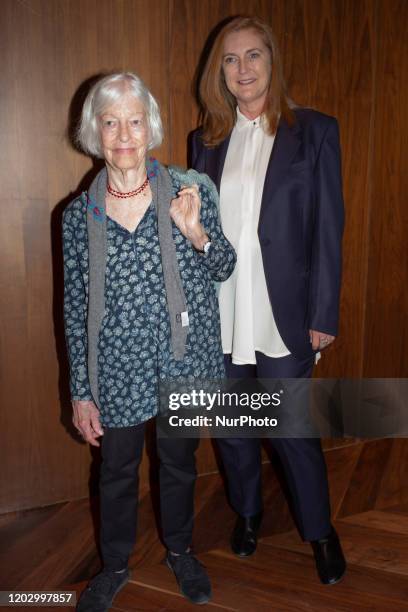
(128, 194)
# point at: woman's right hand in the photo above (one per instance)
(185, 212)
(86, 420)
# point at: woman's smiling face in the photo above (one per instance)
(124, 133)
(247, 68)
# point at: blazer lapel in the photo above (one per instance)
(216, 161)
(284, 149)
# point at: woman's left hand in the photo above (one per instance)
(185, 212)
(320, 340)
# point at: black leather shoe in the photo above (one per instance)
(244, 535)
(330, 561)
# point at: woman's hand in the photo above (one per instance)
(86, 420)
(320, 340)
(185, 212)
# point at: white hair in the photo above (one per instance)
(105, 92)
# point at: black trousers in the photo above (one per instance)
(302, 458)
(122, 449)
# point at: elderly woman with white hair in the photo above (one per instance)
(142, 248)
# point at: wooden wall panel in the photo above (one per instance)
(386, 324)
(328, 55)
(338, 73)
(343, 57)
(50, 49)
(191, 24)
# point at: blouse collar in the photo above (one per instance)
(244, 122)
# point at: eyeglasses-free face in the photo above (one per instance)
(124, 133)
(247, 70)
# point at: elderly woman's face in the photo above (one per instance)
(124, 133)
(247, 67)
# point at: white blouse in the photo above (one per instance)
(247, 322)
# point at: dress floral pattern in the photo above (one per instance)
(134, 348)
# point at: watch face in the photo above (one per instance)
(207, 246)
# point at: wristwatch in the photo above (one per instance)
(207, 246)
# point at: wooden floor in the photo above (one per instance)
(54, 547)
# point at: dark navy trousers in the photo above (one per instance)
(302, 458)
(122, 450)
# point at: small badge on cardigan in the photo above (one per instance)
(152, 167)
(98, 212)
(182, 317)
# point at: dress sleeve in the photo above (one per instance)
(221, 257)
(75, 303)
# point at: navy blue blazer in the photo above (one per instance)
(300, 223)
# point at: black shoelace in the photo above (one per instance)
(188, 565)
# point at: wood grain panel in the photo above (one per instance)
(394, 478)
(54, 548)
(365, 481)
(363, 546)
(386, 325)
(50, 50)
(384, 521)
(285, 580)
(328, 53)
(191, 24)
(350, 98)
(343, 57)
(328, 56)
(327, 50)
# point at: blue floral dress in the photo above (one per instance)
(134, 348)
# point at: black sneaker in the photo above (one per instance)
(101, 590)
(191, 577)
